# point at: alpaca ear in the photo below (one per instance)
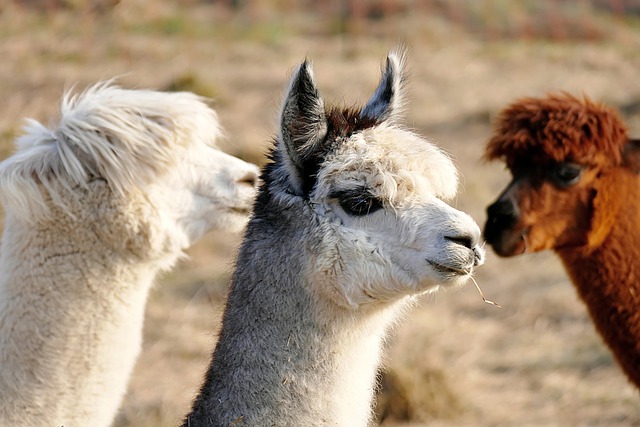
(386, 102)
(303, 124)
(631, 155)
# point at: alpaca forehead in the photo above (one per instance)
(181, 117)
(385, 156)
(558, 128)
(544, 159)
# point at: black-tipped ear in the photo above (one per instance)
(386, 102)
(303, 124)
(631, 155)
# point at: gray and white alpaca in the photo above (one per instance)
(95, 208)
(349, 226)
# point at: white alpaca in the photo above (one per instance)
(349, 225)
(94, 209)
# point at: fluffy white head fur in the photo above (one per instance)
(95, 208)
(131, 139)
(409, 246)
(415, 242)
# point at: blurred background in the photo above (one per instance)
(454, 361)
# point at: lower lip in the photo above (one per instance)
(240, 211)
(512, 244)
(444, 269)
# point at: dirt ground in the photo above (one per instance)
(536, 361)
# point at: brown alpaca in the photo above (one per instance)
(575, 190)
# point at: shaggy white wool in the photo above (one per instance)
(95, 207)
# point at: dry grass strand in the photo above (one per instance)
(482, 294)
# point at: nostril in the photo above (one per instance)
(464, 240)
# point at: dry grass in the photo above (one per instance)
(456, 361)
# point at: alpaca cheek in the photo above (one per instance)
(139, 233)
(538, 240)
(367, 278)
(538, 222)
(325, 270)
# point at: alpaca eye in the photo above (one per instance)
(357, 202)
(567, 173)
(360, 206)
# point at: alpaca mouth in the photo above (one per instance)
(511, 243)
(244, 211)
(449, 269)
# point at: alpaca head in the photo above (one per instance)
(141, 159)
(376, 194)
(568, 158)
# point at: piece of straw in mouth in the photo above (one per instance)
(526, 243)
(482, 295)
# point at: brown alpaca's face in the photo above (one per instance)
(544, 207)
(566, 156)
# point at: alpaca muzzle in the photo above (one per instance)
(500, 230)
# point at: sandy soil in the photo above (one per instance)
(535, 362)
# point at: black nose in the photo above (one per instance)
(500, 215)
(503, 211)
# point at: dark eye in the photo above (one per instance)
(567, 173)
(357, 202)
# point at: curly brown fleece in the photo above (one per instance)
(534, 135)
